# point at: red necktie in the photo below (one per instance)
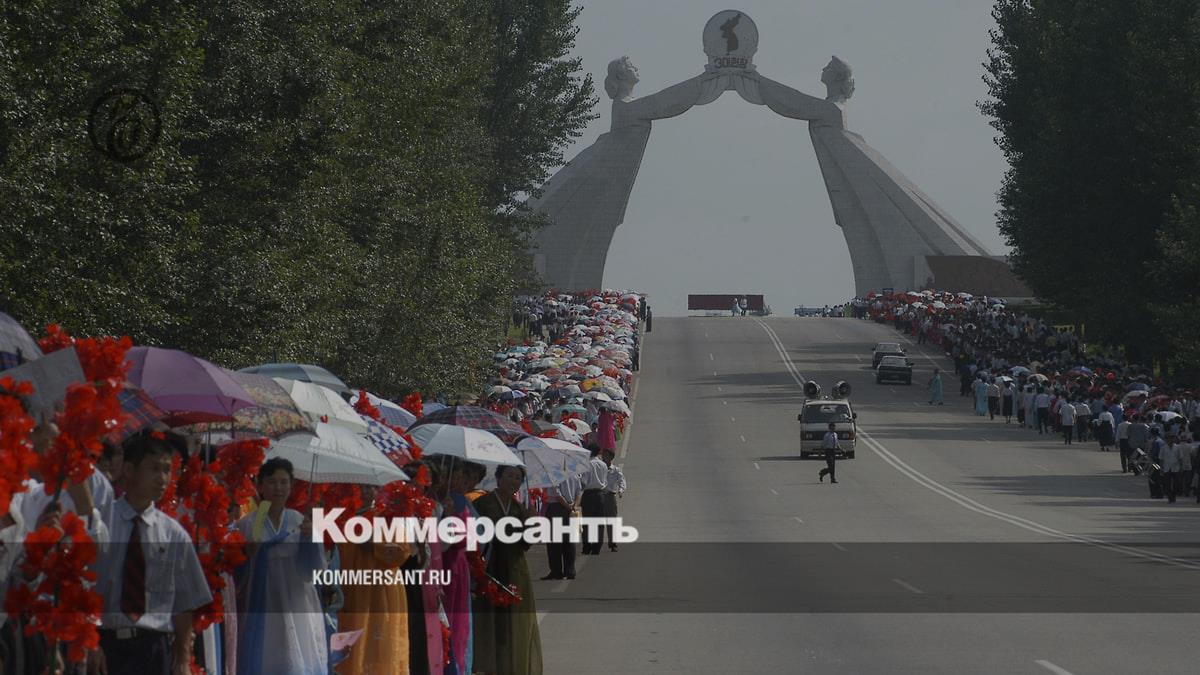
(133, 576)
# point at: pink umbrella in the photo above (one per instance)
(189, 389)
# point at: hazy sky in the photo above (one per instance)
(730, 197)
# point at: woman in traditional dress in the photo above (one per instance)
(280, 625)
(935, 388)
(457, 596)
(606, 433)
(381, 611)
(981, 397)
(506, 638)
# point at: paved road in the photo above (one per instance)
(952, 544)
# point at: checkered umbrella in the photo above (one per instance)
(477, 418)
(16, 346)
(391, 444)
(141, 412)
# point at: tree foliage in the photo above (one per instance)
(335, 182)
(1097, 105)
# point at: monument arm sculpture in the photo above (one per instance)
(670, 102)
(789, 102)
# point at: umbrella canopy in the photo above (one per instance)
(1139, 386)
(578, 426)
(618, 406)
(477, 418)
(188, 389)
(140, 413)
(322, 404)
(335, 455)
(549, 461)
(273, 414)
(1136, 394)
(391, 444)
(568, 434)
(302, 372)
(597, 395)
(16, 345)
(390, 412)
(474, 445)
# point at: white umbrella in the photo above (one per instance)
(618, 406)
(549, 461)
(335, 455)
(598, 396)
(567, 434)
(1018, 370)
(473, 445)
(579, 426)
(322, 404)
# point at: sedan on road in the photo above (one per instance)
(894, 368)
(886, 349)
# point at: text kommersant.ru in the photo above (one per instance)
(474, 531)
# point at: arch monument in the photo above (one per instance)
(891, 227)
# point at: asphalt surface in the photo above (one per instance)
(951, 544)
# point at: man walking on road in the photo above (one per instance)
(1066, 412)
(830, 445)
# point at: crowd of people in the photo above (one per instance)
(1046, 378)
(136, 540)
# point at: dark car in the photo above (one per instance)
(886, 349)
(894, 368)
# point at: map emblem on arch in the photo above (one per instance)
(730, 41)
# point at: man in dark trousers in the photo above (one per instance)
(830, 445)
(649, 319)
(594, 479)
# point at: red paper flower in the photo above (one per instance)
(237, 463)
(89, 413)
(364, 406)
(16, 450)
(60, 606)
(486, 587)
(412, 403)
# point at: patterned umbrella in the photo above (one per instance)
(477, 418)
(548, 462)
(319, 403)
(335, 454)
(16, 346)
(303, 372)
(474, 445)
(390, 412)
(273, 414)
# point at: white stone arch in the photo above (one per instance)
(890, 225)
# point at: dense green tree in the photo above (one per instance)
(336, 182)
(1097, 106)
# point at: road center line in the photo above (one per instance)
(840, 547)
(756, 466)
(909, 587)
(732, 419)
(774, 492)
(970, 504)
(799, 519)
(1057, 670)
(710, 357)
(743, 438)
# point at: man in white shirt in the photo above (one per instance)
(1041, 403)
(1066, 419)
(1083, 416)
(564, 500)
(148, 575)
(594, 479)
(1171, 461)
(1123, 444)
(830, 445)
(614, 487)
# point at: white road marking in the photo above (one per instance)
(1041, 467)
(720, 388)
(799, 519)
(1057, 670)
(631, 402)
(724, 402)
(970, 504)
(909, 587)
(732, 419)
(893, 389)
(839, 547)
(984, 439)
(714, 373)
(710, 357)
(774, 491)
(541, 615)
(756, 466)
(743, 438)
